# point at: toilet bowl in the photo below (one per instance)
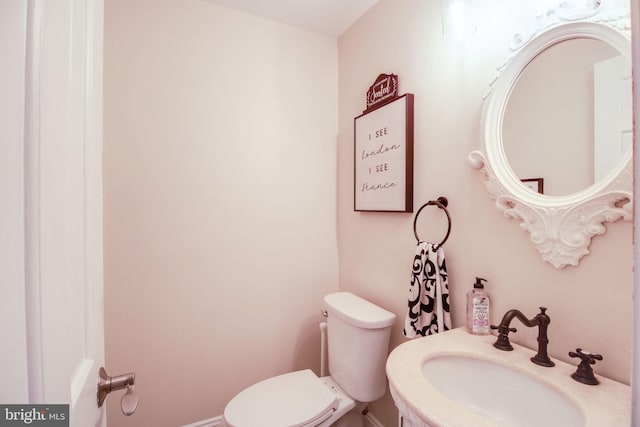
(358, 339)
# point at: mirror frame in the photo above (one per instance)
(560, 227)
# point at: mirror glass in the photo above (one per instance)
(568, 118)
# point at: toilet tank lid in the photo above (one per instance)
(357, 311)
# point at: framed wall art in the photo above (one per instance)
(383, 157)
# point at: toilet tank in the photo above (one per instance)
(358, 344)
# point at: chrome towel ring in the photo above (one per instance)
(442, 203)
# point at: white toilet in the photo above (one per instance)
(358, 340)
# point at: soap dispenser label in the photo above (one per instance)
(481, 314)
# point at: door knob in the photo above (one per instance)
(107, 384)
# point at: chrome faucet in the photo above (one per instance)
(541, 320)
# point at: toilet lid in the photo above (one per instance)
(291, 400)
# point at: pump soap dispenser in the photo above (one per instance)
(478, 309)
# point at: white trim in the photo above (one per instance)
(13, 362)
(635, 364)
(217, 422)
(372, 421)
(33, 285)
(210, 422)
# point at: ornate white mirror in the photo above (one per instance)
(547, 120)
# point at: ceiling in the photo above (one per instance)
(328, 17)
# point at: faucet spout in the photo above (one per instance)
(541, 320)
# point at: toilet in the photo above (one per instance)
(357, 341)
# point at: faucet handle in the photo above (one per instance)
(585, 356)
(584, 373)
(510, 329)
(502, 343)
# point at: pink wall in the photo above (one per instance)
(590, 306)
(223, 179)
(220, 177)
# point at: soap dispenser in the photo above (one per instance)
(478, 305)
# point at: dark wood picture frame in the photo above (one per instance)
(535, 184)
(383, 157)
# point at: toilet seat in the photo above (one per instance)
(295, 399)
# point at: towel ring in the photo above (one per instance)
(442, 203)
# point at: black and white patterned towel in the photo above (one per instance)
(429, 311)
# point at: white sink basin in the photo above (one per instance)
(501, 393)
(454, 379)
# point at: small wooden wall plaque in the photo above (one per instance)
(382, 91)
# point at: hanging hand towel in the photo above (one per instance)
(429, 311)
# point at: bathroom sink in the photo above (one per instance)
(501, 393)
(455, 379)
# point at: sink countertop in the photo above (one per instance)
(605, 404)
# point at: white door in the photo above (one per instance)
(613, 109)
(51, 191)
